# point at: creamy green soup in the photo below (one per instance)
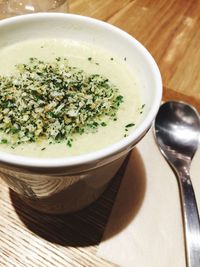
(92, 60)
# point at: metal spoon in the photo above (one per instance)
(177, 129)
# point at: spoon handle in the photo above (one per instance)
(191, 220)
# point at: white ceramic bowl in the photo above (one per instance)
(67, 184)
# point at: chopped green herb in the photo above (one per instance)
(4, 141)
(43, 148)
(53, 100)
(129, 125)
(127, 128)
(119, 100)
(124, 58)
(89, 58)
(103, 124)
(69, 142)
(111, 58)
(14, 130)
(142, 106)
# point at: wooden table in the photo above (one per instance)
(171, 32)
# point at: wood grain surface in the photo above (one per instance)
(32, 239)
(171, 32)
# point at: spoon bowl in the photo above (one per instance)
(176, 130)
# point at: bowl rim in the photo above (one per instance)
(113, 148)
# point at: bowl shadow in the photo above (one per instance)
(86, 227)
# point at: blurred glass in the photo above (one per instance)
(10, 8)
(3, 9)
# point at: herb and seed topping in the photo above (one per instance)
(54, 101)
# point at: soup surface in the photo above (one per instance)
(92, 60)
